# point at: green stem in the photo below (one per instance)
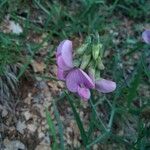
(111, 119)
(99, 119)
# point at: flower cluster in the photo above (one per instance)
(76, 79)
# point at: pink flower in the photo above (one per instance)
(77, 80)
(146, 36)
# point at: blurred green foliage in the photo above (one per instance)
(10, 52)
(139, 10)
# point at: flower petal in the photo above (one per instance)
(60, 74)
(78, 77)
(146, 36)
(84, 93)
(66, 53)
(61, 64)
(88, 82)
(105, 86)
(59, 48)
(65, 50)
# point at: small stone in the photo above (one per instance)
(62, 118)
(13, 145)
(95, 147)
(46, 139)
(15, 27)
(27, 115)
(60, 84)
(121, 133)
(41, 85)
(44, 122)
(28, 99)
(43, 147)
(32, 127)
(20, 127)
(38, 66)
(41, 135)
(75, 143)
(136, 56)
(46, 126)
(69, 129)
(4, 113)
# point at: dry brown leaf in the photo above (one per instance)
(38, 66)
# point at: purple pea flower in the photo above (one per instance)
(77, 80)
(146, 36)
(105, 86)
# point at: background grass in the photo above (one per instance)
(119, 24)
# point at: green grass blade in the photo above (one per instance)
(52, 130)
(60, 126)
(24, 67)
(99, 139)
(146, 70)
(42, 7)
(132, 90)
(78, 120)
(101, 124)
(91, 125)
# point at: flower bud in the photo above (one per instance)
(91, 72)
(85, 61)
(97, 74)
(100, 64)
(82, 48)
(96, 50)
(101, 50)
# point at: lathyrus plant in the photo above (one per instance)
(84, 74)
